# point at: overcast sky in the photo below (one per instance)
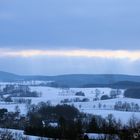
(70, 36)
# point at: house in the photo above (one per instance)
(50, 123)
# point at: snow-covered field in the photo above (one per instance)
(56, 95)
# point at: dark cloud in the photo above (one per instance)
(110, 24)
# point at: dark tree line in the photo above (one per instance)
(19, 91)
(12, 120)
(71, 124)
(132, 93)
(133, 107)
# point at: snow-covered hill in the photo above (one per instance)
(98, 107)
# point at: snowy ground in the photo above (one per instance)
(18, 133)
(56, 95)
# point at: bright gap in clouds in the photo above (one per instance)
(117, 54)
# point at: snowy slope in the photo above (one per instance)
(56, 95)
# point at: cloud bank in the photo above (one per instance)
(110, 54)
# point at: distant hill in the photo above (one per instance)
(126, 84)
(120, 84)
(78, 80)
(8, 77)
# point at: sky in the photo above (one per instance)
(52, 37)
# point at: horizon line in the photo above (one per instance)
(69, 74)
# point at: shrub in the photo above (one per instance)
(80, 93)
(105, 97)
